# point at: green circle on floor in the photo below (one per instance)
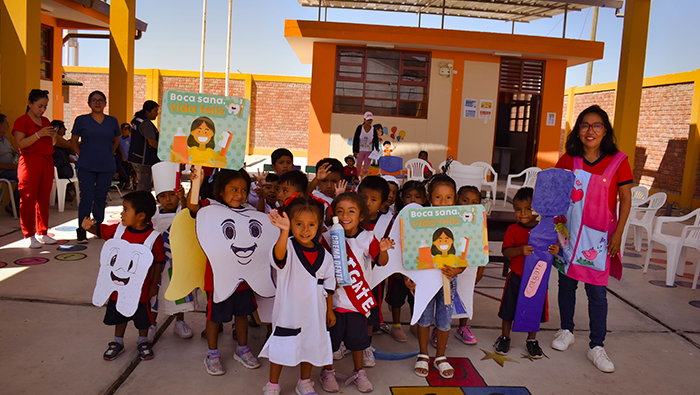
(71, 256)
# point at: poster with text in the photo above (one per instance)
(203, 129)
(485, 109)
(435, 237)
(470, 108)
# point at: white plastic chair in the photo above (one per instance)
(466, 175)
(416, 167)
(675, 246)
(9, 190)
(442, 164)
(530, 179)
(60, 184)
(639, 193)
(646, 222)
(488, 172)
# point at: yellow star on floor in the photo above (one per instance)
(527, 356)
(498, 358)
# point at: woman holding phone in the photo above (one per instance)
(35, 138)
(99, 137)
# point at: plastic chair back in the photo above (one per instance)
(390, 164)
(416, 168)
(467, 175)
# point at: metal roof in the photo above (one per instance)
(505, 10)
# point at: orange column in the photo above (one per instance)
(552, 102)
(321, 97)
(455, 105)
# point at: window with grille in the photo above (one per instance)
(45, 53)
(385, 82)
(521, 75)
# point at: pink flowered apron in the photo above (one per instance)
(589, 224)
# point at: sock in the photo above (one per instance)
(273, 384)
(212, 352)
(142, 339)
(396, 325)
(119, 340)
(532, 340)
(241, 348)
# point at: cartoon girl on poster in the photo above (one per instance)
(201, 146)
(442, 251)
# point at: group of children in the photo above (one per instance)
(314, 321)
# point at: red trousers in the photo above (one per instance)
(35, 179)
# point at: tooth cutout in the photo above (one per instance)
(237, 244)
(123, 269)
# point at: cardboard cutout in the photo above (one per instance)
(123, 269)
(551, 198)
(237, 243)
(189, 261)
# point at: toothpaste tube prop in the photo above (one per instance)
(340, 262)
(551, 198)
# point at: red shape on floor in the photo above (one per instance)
(3, 264)
(465, 375)
(656, 250)
(657, 260)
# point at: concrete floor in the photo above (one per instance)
(52, 338)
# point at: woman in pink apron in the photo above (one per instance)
(590, 249)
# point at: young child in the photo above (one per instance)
(230, 188)
(350, 170)
(268, 190)
(441, 192)
(515, 248)
(304, 297)
(291, 183)
(424, 155)
(388, 207)
(282, 161)
(350, 303)
(135, 228)
(329, 171)
(171, 202)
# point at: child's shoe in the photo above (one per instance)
(361, 381)
(465, 334)
(398, 334)
(213, 364)
(533, 348)
(182, 329)
(328, 381)
(384, 328)
(246, 358)
(270, 389)
(502, 345)
(338, 355)
(152, 333)
(368, 357)
(145, 351)
(563, 339)
(433, 338)
(305, 387)
(600, 359)
(32, 242)
(46, 239)
(115, 349)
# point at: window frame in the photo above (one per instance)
(404, 56)
(48, 59)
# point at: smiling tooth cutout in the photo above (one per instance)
(237, 244)
(123, 268)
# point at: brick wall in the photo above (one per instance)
(662, 135)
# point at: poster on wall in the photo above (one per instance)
(485, 109)
(203, 129)
(470, 108)
(551, 118)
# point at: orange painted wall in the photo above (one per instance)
(57, 67)
(321, 108)
(552, 99)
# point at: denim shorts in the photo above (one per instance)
(437, 311)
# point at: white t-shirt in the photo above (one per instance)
(366, 139)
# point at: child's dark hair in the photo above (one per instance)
(302, 204)
(336, 166)
(272, 177)
(436, 251)
(523, 195)
(223, 177)
(36, 95)
(377, 184)
(423, 152)
(295, 178)
(574, 145)
(126, 126)
(57, 123)
(441, 179)
(409, 186)
(355, 198)
(469, 188)
(142, 202)
(279, 153)
(350, 157)
(192, 141)
(3, 118)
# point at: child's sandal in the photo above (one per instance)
(145, 351)
(422, 363)
(442, 365)
(114, 350)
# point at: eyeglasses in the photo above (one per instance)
(101, 101)
(597, 127)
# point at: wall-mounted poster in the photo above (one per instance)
(551, 118)
(485, 109)
(203, 129)
(470, 108)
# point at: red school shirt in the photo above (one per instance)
(137, 237)
(517, 235)
(622, 176)
(43, 146)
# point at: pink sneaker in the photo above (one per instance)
(305, 387)
(465, 334)
(328, 381)
(361, 381)
(270, 389)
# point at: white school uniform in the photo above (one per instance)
(299, 313)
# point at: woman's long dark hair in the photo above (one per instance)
(574, 145)
(192, 142)
(436, 235)
(35, 95)
(148, 105)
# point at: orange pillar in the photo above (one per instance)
(321, 98)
